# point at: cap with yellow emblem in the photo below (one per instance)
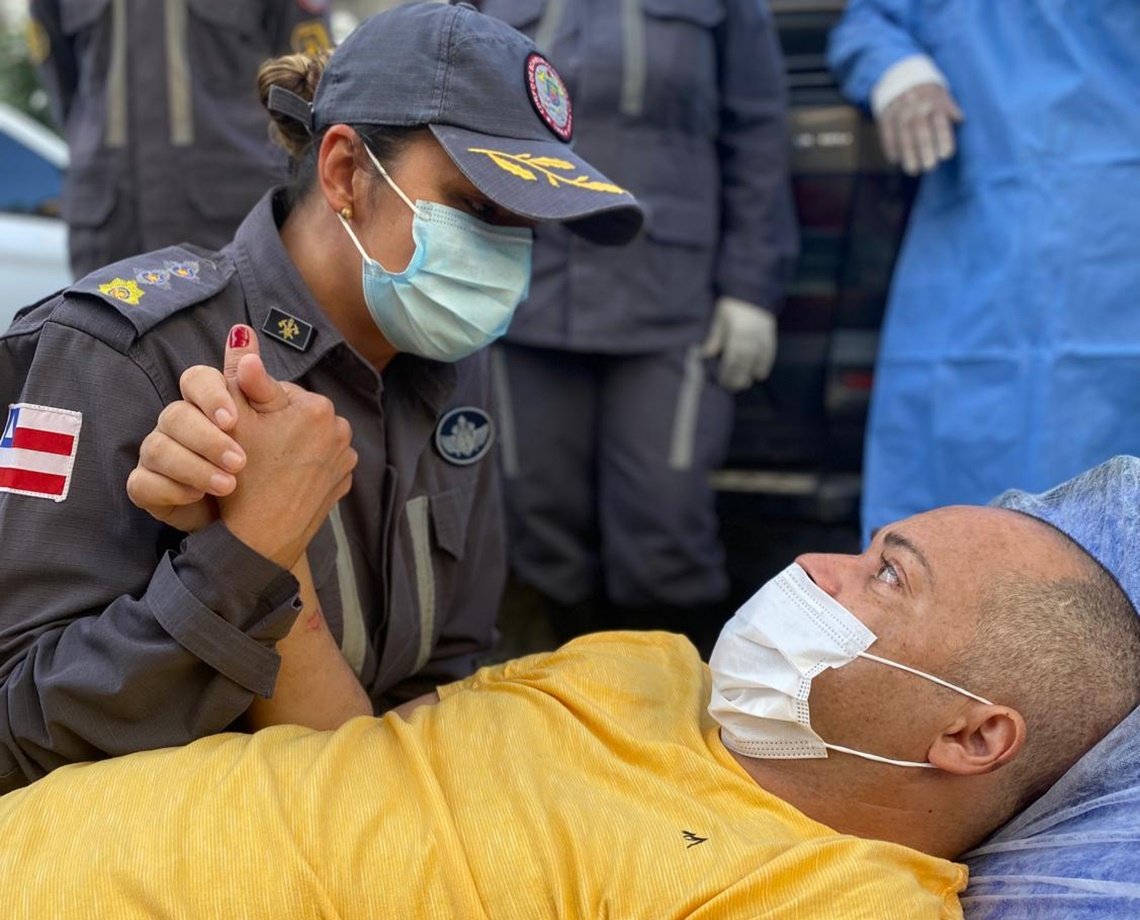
(494, 103)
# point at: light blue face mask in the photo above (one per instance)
(461, 286)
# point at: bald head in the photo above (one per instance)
(1059, 641)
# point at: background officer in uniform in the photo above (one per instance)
(158, 102)
(118, 633)
(610, 421)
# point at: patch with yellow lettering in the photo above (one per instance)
(288, 329)
(128, 291)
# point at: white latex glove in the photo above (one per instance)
(744, 335)
(918, 127)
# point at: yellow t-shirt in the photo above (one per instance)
(586, 783)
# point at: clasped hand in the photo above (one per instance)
(270, 459)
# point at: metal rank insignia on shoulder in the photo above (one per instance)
(464, 435)
(289, 329)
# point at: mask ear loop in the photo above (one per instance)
(876, 757)
(930, 677)
(383, 172)
(388, 179)
(352, 236)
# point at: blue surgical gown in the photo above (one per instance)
(1010, 354)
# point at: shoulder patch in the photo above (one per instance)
(149, 288)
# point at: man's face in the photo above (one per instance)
(919, 588)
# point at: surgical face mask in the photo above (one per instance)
(764, 661)
(461, 287)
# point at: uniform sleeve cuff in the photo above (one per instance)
(236, 582)
(227, 605)
(901, 76)
(250, 663)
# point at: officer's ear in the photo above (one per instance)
(342, 182)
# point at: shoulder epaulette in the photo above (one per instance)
(149, 288)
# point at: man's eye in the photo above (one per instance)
(887, 573)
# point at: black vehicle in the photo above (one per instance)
(797, 448)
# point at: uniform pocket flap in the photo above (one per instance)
(685, 223)
(450, 511)
(704, 12)
(75, 15)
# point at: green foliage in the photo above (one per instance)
(19, 85)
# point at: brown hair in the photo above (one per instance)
(300, 74)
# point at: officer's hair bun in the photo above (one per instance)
(300, 74)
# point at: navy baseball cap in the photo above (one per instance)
(493, 102)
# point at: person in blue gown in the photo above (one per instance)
(1011, 348)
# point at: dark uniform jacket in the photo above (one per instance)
(683, 103)
(119, 634)
(158, 101)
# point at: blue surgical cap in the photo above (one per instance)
(1074, 854)
(1100, 511)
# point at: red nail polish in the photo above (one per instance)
(239, 337)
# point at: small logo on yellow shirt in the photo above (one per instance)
(693, 839)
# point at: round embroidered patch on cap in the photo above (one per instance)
(549, 97)
(463, 436)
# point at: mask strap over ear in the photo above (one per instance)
(352, 236)
(388, 179)
(923, 674)
(878, 759)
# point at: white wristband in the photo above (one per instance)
(904, 75)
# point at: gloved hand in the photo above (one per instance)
(744, 335)
(917, 127)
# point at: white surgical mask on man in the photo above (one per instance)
(763, 663)
(461, 287)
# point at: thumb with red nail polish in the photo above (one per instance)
(245, 371)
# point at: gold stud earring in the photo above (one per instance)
(346, 213)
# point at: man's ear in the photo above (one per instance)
(979, 740)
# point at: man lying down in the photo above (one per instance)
(956, 669)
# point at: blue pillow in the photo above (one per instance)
(1074, 854)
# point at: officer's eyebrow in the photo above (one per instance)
(896, 540)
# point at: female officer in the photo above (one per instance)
(395, 254)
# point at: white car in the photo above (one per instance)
(33, 237)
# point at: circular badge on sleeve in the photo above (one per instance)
(464, 435)
(549, 97)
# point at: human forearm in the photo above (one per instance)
(315, 685)
(155, 670)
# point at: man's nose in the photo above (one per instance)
(825, 569)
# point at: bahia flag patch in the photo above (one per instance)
(37, 450)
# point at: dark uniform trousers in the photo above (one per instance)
(158, 102)
(616, 421)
